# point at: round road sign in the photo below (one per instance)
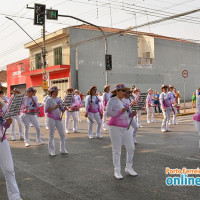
(45, 77)
(185, 73)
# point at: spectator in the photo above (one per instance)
(156, 101)
(193, 100)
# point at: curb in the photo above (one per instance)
(189, 113)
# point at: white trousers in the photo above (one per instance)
(78, 115)
(166, 118)
(19, 122)
(135, 128)
(68, 115)
(27, 119)
(60, 127)
(91, 117)
(104, 120)
(174, 115)
(150, 110)
(46, 123)
(6, 164)
(118, 137)
(138, 116)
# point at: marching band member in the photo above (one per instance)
(128, 101)
(138, 116)
(15, 91)
(174, 105)
(150, 107)
(93, 112)
(78, 103)
(106, 97)
(71, 112)
(166, 105)
(196, 116)
(119, 131)
(4, 99)
(44, 101)
(6, 161)
(29, 115)
(54, 119)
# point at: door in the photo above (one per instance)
(62, 84)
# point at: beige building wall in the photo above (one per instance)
(53, 40)
(145, 46)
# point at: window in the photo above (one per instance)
(145, 50)
(38, 61)
(58, 56)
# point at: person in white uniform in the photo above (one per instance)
(128, 101)
(119, 132)
(4, 99)
(54, 110)
(196, 116)
(166, 106)
(150, 107)
(106, 96)
(93, 111)
(174, 105)
(78, 103)
(15, 91)
(6, 161)
(30, 109)
(139, 112)
(44, 101)
(71, 112)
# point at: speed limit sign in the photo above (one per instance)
(185, 73)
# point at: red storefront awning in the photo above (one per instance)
(48, 69)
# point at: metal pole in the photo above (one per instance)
(184, 95)
(77, 83)
(44, 57)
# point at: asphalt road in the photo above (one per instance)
(87, 172)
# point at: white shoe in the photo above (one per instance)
(105, 129)
(13, 138)
(40, 142)
(31, 125)
(64, 152)
(79, 120)
(100, 136)
(153, 121)
(141, 126)
(118, 175)
(163, 130)
(148, 122)
(47, 128)
(27, 145)
(67, 132)
(91, 137)
(135, 142)
(52, 154)
(131, 171)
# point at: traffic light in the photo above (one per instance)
(108, 59)
(39, 14)
(52, 14)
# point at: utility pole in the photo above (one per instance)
(39, 19)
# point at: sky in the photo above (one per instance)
(109, 13)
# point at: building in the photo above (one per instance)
(76, 57)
